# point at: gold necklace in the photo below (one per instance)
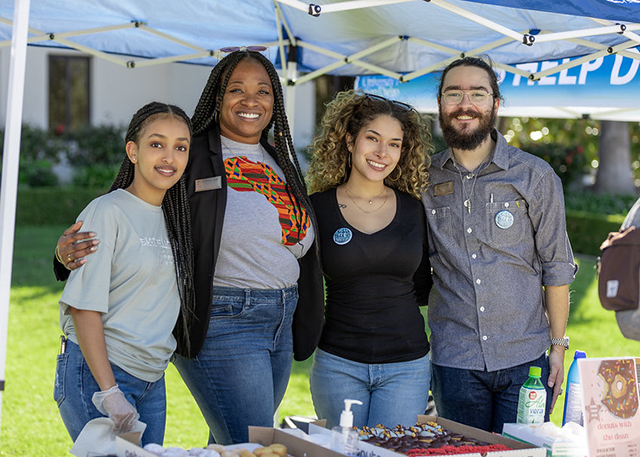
(370, 201)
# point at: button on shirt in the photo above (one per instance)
(486, 310)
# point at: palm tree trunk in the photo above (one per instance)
(614, 171)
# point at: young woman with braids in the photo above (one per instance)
(368, 169)
(255, 260)
(118, 312)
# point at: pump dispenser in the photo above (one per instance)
(344, 439)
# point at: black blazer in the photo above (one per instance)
(207, 209)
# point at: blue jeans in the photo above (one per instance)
(483, 399)
(75, 385)
(391, 393)
(241, 373)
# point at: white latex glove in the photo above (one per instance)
(113, 403)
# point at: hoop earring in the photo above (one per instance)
(215, 116)
(399, 174)
(349, 161)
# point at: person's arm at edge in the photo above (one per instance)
(90, 333)
(557, 302)
(70, 246)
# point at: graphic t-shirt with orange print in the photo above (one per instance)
(264, 232)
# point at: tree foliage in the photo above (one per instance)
(572, 134)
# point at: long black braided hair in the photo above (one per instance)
(207, 113)
(176, 213)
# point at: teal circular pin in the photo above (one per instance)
(342, 236)
(504, 219)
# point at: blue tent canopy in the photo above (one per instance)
(402, 39)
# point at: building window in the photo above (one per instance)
(69, 78)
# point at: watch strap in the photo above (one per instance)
(560, 342)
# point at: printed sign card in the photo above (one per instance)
(611, 417)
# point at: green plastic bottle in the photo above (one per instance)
(533, 399)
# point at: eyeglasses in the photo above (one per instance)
(379, 98)
(243, 48)
(454, 97)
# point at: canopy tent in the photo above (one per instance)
(402, 39)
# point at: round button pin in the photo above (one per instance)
(342, 236)
(504, 219)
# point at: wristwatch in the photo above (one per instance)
(560, 342)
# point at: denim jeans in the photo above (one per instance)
(75, 385)
(241, 373)
(483, 399)
(391, 393)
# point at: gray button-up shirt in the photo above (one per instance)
(487, 309)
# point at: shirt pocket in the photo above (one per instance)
(440, 228)
(508, 222)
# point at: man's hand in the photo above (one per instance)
(556, 374)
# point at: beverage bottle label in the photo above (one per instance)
(531, 405)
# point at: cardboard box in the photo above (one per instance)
(519, 449)
(263, 436)
(296, 447)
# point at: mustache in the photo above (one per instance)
(465, 112)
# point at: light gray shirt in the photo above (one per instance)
(490, 264)
(131, 281)
(263, 235)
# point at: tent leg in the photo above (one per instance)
(10, 161)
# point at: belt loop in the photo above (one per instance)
(247, 297)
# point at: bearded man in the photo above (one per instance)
(501, 259)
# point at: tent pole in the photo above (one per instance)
(290, 78)
(10, 161)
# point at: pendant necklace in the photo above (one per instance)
(474, 174)
(370, 200)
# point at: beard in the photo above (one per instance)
(467, 140)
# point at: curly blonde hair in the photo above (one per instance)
(349, 112)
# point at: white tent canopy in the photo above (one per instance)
(402, 39)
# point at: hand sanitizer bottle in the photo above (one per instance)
(344, 438)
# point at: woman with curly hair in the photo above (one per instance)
(258, 288)
(368, 169)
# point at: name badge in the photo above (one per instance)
(444, 188)
(208, 183)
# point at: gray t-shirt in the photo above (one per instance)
(131, 280)
(263, 234)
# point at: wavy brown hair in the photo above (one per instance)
(349, 112)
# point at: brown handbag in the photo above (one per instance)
(619, 270)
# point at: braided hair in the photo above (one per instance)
(208, 110)
(175, 208)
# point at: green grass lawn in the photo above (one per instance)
(31, 425)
